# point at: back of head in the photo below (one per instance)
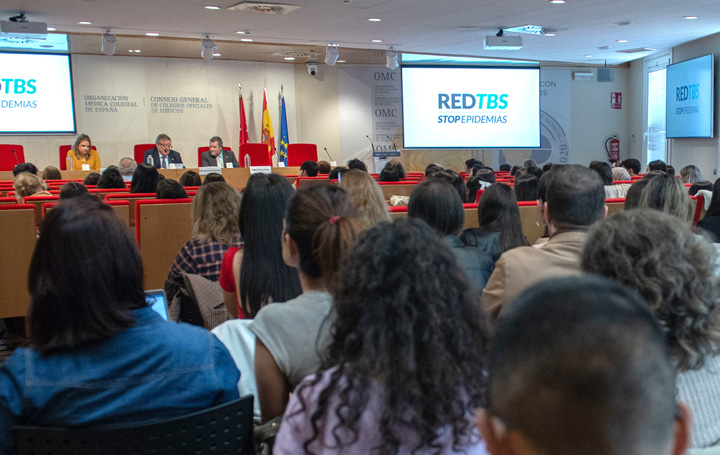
(657, 165)
(486, 174)
(691, 174)
(473, 184)
(432, 169)
(170, 189)
(51, 173)
(533, 170)
(71, 190)
(27, 184)
(85, 277)
(437, 203)
(25, 167)
(397, 167)
(632, 164)
(667, 194)
(213, 177)
(515, 169)
(111, 178)
(604, 171)
(190, 178)
(469, 164)
(529, 163)
(310, 168)
(505, 167)
(579, 366)
(546, 167)
(127, 166)
(526, 187)
(388, 175)
(672, 268)
(324, 167)
(575, 197)
(145, 179)
(367, 198)
(356, 163)
(700, 185)
(336, 173)
(714, 209)
(632, 197)
(215, 210)
(670, 170)
(454, 179)
(91, 179)
(498, 212)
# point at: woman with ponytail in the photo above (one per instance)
(319, 230)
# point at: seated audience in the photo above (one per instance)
(71, 190)
(673, 269)
(215, 210)
(432, 169)
(388, 175)
(546, 167)
(633, 166)
(111, 178)
(255, 274)
(499, 220)
(632, 198)
(620, 173)
(605, 171)
(667, 194)
(526, 187)
(190, 178)
(470, 164)
(27, 184)
(711, 222)
(515, 170)
(323, 167)
(505, 167)
(367, 198)
(579, 366)
(529, 163)
(126, 167)
(51, 173)
(397, 167)
(91, 179)
(319, 231)
(355, 163)
(698, 186)
(213, 177)
(170, 189)
(336, 173)
(404, 370)
(486, 174)
(657, 165)
(309, 169)
(99, 355)
(691, 174)
(671, 170)
(533, 170)
(81, 154)
(25, 167)
(434, 203)
(145, 179)
(472, 185)
(573, 200)
(454, 179)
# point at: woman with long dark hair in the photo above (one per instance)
(144, 179)
(404, 370)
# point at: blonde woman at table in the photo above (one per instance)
(82, 153)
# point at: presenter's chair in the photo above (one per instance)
(201, 150)
(299, 153)
(63, 156)
(259, 154)
(10, 156)
(223, 429)
(139, 151)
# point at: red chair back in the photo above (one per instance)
(63, 154)
(299, 153)
(201, 150)
(139, 151)
(259, 154)
(8, 159)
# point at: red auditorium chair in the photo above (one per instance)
(201, 150)
(259, 154)
(139, 151)
(299, 153)
(63, 156)
(8, 159)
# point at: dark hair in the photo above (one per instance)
(72, 189)
(170, 189)
(404, 313)
(529, 163)
(670, 170)
(111, 178)
(578, 365)
(145, 179)
(264, 276)
(498, 212)
(162, 137)
(657, 165)
(543, 183)
(436, 203)
(532, 170)
(321, 221)
(454, 179)
(469, 164)
(218, 140)
(701, 185)
(632, 197)
(514, 170)
(213, 177)
(632, 164)
(388, 176)
(526, 187)
(91, 179)
(356, 164)
(310, 168)
(546, 167)
(68, 309)
(337, 172)
(394, 165)
(575, 197)
(714, 208)
(604, 171)
(486, 174)
(505, 167)
(25, 167)
(431, 169)
(323, 167)
(51, 173)
(190, 178)
(472, 184)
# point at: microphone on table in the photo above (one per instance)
(371, 144)
(328, 154)
(393, 142)
(16, 159)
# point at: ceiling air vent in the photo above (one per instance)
(637, 50)
(266, 8)
(295, 54)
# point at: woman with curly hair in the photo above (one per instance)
(673, 269)
(404, 371)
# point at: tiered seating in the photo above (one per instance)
(121, 209)
(17, 229)
(10, 156)
(299, 153)
(131, 197)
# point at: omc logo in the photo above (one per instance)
(18, 86)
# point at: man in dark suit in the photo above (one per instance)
(162, 155)
(217, 155)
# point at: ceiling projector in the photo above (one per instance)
(502, 43)
(23, 29)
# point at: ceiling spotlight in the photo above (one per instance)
(217, 54)
(557, 2)
(247, 40)
(208, 48)
(690, 17)
(376, 41)
(549, 34)
(134, 51)
(332, 52)
(588, 56)
(85, 23)
(341, 61)
(109, 43)
(152, 34)
(391, 58)
(243, 32)
(289, 58)
(211, 7)
(51, 29)
(375, 19)
(622, 41)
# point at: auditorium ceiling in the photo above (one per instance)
(585, 31)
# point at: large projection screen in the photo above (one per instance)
(36, 94)
(459, 107)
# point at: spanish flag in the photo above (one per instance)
(267, 130)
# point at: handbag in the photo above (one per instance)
(265, 435)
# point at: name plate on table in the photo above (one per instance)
(260, 169)
(176, 166)
(85, 167)
(209, 170)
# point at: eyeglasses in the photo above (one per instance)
(165, 146)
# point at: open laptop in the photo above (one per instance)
(156, 299)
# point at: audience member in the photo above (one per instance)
(486, 174)
(533, 170)
(620, 173)
(633, 166)
(212, 178)
(367, 198)
(255, 274)
(470, 164)
(388, 175)
(145, 179)
(574, 200)
(51, 173)
(698, 186)
(82, 154)
(355, 163)
(25, 167)
(71, 190)
(111, 178)
(432, 169)
(323, 167)
(579, 366)
(690, 174)
(604, 171)
(336, 173)
(529, 163)
(319, 231)
(505, 167)
(454, 179)
(472, 185)
(632, 198)
(671, 170)
(711, 222)
(162, 155)
(514, 170)
(99, 354)
(526, 187)
(397, 167)
(126, 167)
(673, 269)
(309, 169)
(435, 203)
(404, 368)
(546, 167)
(190, 178)
(170, 189)
(91, 179)
(218, 156)
(657, 165)
(27, 184)
(215, 210)
(666, 194)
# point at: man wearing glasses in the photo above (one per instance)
(162, 156)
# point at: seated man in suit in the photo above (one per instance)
(162, 155)
(217, 155)
(574, 199)
(579, 365)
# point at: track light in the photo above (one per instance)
(208, 48)
(109, 43)
(332, 52)
(391, 57)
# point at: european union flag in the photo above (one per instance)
(283, 134)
